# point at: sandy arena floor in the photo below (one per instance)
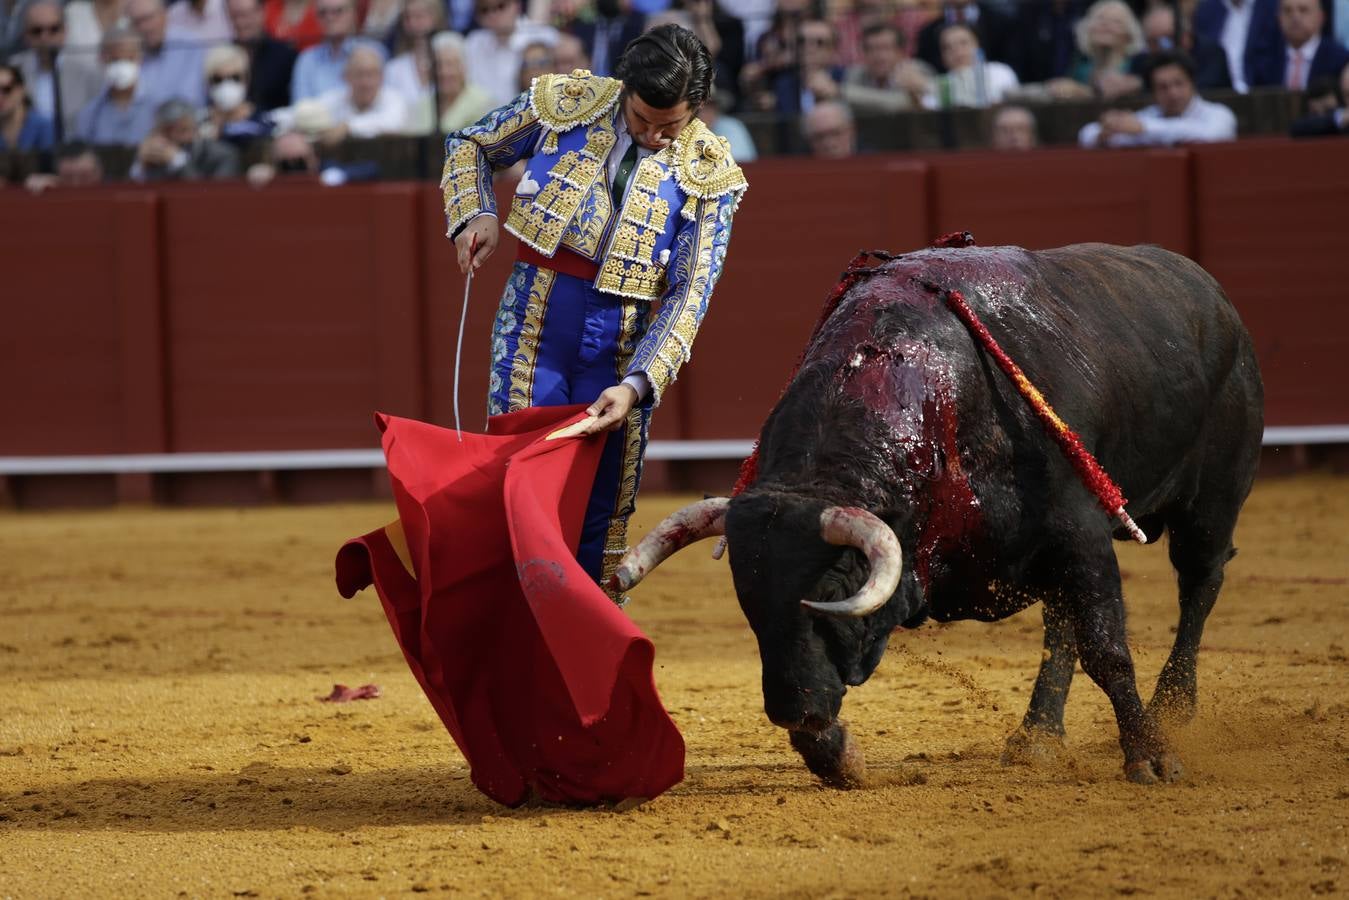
(160, 736)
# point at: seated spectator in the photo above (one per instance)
(1108, 37)
(409, 72)
(461, 104)
(1014, 128)
(969, 79)
(120, 114)
(292, 157)
(294, 21)
(1303, 51)
(365, 107)
(985, 21)
(169, 69)
(76, 166)
(854, 23)
(1244, 29)
(1159, 33)
(201, 22)
(322, 68)
(723, 35)
(535, 59)
(492, 52)
(1178, 116)
(86, 20)
(44, 63)
(829, 130)
(173, 151)
(604, 37)
(270, 62)
(1326, 113)
(22, 129)
(714, 116)
(380, 19)
(231, 116)
(885, 82)
(569, 54)
(817, 79)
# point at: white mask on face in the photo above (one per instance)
(227, 95)
(121, 74)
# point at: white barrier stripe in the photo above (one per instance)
(263, 461)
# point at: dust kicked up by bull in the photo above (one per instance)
(902, 476)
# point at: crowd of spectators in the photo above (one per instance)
(193, 85)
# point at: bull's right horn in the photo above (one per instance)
(703, 519)
(851, 526)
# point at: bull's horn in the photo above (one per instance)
(703, 519)
(850, 526)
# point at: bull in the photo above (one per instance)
(901, 477)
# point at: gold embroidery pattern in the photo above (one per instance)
(541, 220)
(527, 344)
(702, 164)
(676, 344)
(630, 268)
(616, 541)
(459, 182)
(587, 229)
(563, 102)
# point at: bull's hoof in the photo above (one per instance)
(1162, 768)
(833, 756)
(1032, 747)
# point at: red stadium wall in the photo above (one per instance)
(221, 318)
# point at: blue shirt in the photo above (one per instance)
(176, 71)
(104, 122)
(319, 69)
(37, 133)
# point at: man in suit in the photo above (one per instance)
(1159, 30)
(270, 62)
(1304, 52)
(60, 83)
(1243, 28)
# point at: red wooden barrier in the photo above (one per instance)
(225, 318)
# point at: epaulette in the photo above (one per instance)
(564, 102)
(703, 166)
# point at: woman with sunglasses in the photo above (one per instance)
(21, 129)
(626, 202)
(230, 116)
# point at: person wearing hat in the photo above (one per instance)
(626, 201)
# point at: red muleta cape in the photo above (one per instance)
(544, 684)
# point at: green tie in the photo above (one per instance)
(625, 168)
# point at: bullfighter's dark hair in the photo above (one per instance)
(667, 65)
(1165, 58)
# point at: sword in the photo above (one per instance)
(459, 344)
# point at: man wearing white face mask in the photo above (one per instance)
(231, 116)
(119, 115)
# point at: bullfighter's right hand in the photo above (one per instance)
(486, 229)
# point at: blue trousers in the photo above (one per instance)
(558, 341)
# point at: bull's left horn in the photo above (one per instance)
(850, 526)
(703, 519)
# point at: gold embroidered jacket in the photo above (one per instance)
(667, 243)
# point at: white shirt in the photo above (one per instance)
(963, 87)
(1201, 122)
(1233, 38)
(494, 66)
(400, 74)
(1308, 53)
(387, 115)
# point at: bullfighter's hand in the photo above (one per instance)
(486, 229)
(612, 408)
